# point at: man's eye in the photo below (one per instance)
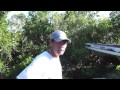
(64, 42)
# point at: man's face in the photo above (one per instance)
(59, 47)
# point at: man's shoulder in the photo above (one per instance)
(43, 57)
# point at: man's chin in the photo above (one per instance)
(61, 52)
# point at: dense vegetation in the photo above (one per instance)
(22, 38)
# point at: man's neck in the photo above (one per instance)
(53, 54)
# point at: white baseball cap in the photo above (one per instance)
(59, 35)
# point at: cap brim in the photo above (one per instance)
(69, 41)
(58, 40)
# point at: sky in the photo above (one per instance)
(101, 13)
(16, 12)
(104, 13)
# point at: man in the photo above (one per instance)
(47, 64)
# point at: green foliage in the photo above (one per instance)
(26, 61)
(118, 67)
(17, 68)
(1, 65)
(37, 30)
(115, 21)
